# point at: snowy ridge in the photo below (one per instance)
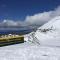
(48, 34)
(54, 23)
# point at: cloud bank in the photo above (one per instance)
(36, 19)
(42, 18)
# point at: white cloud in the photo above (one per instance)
(42, 18)
(36, 19)
(10, 22)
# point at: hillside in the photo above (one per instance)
(42, 44)
(48, 34)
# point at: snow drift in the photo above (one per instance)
(48, 34)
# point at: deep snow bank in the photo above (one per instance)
(48, 34)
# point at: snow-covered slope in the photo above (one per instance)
(44, 44)
(27, 51)
(48, 34)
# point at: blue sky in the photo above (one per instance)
(19, 9)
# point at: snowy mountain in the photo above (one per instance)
(48, 34)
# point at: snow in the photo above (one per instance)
(44, 44)
(48, 34)
(27, 51)
(52, 35)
